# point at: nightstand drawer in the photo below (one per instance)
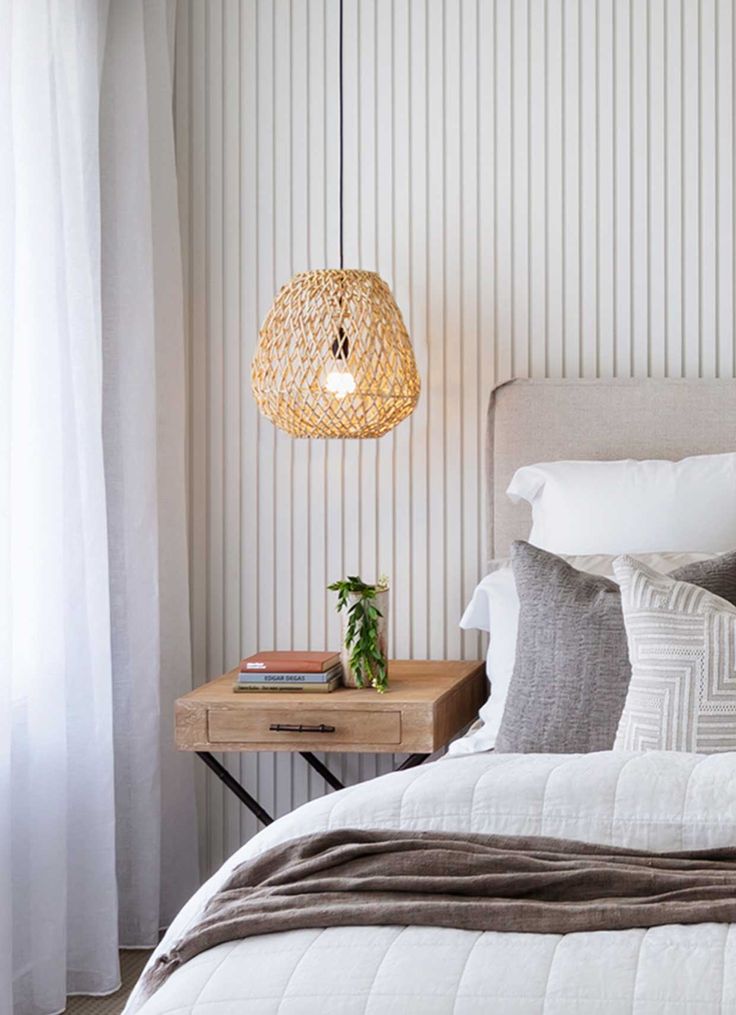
(279, 725)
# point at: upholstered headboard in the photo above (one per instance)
(547, 421)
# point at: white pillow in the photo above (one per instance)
(494, 608)
(682, 695)
(630, 506)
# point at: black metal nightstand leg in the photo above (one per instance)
(411, 762)
(234, 786)
(322, 770)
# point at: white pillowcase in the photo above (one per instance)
(494, 608)
(682, 695)
(630, 506)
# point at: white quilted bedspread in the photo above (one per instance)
(653, 801)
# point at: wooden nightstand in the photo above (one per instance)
(426, 705)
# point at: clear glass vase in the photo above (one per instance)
(382, 604)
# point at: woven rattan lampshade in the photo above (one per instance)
(334, 358)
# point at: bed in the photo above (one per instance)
(659, 801)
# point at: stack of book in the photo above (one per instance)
(318, 672)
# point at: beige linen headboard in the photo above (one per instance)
(547, 421)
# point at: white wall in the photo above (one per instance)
(548, 188)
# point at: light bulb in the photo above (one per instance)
(340, 383)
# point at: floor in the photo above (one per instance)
(131, 966)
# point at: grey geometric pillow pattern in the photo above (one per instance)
(682, 647)
(572, 670)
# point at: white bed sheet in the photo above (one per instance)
(656, 801)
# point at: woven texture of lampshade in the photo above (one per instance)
(335, 322)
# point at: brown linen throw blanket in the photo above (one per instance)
(472, 882)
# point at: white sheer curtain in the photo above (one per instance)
(144, 427)
(97, 829)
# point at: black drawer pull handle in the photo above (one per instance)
(281, 727)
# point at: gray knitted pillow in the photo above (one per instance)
(572, 666)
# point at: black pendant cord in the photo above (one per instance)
(341, 158)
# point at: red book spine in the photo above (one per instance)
(285, 665)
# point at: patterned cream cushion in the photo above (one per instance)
(682, 647)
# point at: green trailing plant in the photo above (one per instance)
(362, 636)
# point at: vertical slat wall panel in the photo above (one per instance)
(417, 310)
(548, 186)
(708, 187)
(673, 189)
(691, 189)
(400, 221)
(572, 340)
(471, 397)
(247, 216)
(724, 187)
(231, 363)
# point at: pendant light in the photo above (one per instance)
(334, 358)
